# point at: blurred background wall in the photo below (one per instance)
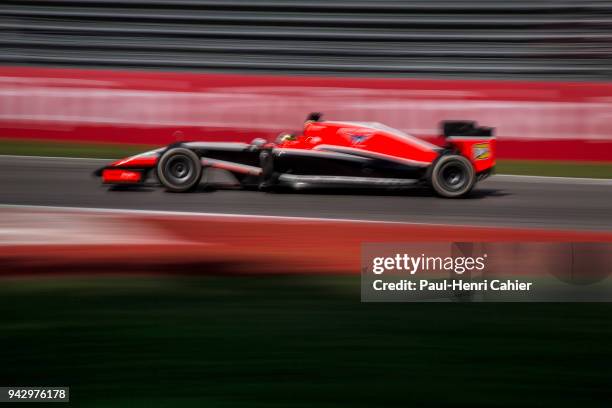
(135, 71)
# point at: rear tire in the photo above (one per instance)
(179, 170)
(452, 176)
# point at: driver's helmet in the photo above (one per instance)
(285, 137)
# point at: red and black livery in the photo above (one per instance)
(325, 153)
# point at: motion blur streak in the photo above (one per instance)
(533, 120)
(65, 240)
(537, 71)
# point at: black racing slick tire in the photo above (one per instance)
(179, 170)
(452, 176)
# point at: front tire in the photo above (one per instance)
(452, 176)
(179, 170)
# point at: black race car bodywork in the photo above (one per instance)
(326, 154)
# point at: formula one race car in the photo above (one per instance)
(326, 153)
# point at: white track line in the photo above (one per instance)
(16, 156)
(247, 217)
(120, 211)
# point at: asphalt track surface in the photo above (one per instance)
(529, 202)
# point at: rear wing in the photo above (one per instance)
(465, 128)
(476, 143)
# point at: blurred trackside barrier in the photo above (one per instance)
(67, 241)
(534, 120)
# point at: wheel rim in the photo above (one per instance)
(179, 169)
(453, 176)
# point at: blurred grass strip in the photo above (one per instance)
(116, 151)
(298, 341)
(69, 149)
(555, 168)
